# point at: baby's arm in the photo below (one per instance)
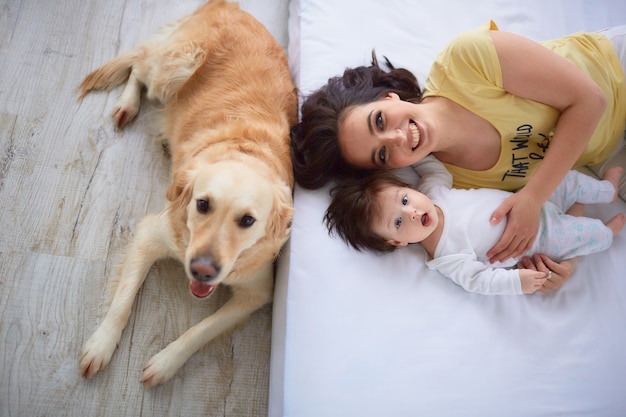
(476, 276)
(531, 280)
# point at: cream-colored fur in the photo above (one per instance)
(228, 104)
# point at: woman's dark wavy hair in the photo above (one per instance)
(315, 151)
(354, 209)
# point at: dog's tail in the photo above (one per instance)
(109, 75)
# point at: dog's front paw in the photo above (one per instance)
(163, 366)
(97, 352)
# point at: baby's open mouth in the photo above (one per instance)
(425, 219)
(415, 134)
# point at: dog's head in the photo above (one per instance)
(234, 215)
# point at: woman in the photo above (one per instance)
(493, 104)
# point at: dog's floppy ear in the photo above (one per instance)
(180, 190)
(279, 224)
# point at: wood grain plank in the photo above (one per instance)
(72, 190)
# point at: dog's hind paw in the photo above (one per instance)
(122, 115)
(96, 353)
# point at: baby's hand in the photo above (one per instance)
(531, 280)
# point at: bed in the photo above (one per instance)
(358, 334)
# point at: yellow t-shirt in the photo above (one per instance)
(468, 72)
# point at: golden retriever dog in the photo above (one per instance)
(227, 104)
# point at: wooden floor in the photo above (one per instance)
(72, 190)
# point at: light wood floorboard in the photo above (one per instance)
(72, 190)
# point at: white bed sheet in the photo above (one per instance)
(357, 334)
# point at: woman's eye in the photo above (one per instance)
(405, 200)
(398, 222)
(379, 121)
(382, 154)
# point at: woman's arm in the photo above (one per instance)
(532, 71)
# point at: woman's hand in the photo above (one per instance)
(521, 229)
(561, 271)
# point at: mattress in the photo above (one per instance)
(360, 334)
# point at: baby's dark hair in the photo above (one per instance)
(354, 208)
(315, 150)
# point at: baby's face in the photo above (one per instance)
(406, 216)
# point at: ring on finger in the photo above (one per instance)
(549, 275)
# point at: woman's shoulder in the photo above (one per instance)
(470, 42)
(470, 56)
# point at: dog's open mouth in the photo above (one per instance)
(201, 290)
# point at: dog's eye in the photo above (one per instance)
(202, 206)
(247, 221)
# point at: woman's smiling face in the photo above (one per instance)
(383, 134)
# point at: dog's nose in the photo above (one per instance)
(203, 269)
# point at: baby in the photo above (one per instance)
(381, 212)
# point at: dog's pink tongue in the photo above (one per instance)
(201, 290)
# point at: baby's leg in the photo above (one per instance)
(563, 236)
(577, 187)
(613, 175)
(616, 224)
(577, 210)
